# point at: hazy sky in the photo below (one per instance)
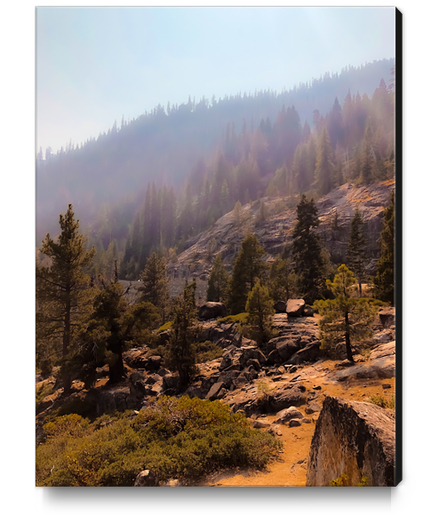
(95, 64)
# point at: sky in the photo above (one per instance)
(95, 65)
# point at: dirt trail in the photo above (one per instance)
(291, 467)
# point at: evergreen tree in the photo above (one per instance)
(217, 281)
(63, 295)
(385, 276)
(260, 309)
(181, 353)
(248, 267)
(280, 279)
(112, 325)
(324, 164)
(155, 281)
(307, 250)
(344, 318)
(356, 249)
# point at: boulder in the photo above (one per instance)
(251, 353)
(280, 306)
(215, 390)
(294, 422)
(308, 311)
(154, 363)
(287, 396)
(146, 478)
(212, 310)
(295, 307)
(387, 316)
(352, 438)
(311, 352)
(274, 358)
(285, 415)
(313, 407)
(171, 381)
(286, 348)
(228, 377)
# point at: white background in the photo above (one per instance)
(19, 495)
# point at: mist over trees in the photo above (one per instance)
(149, 184)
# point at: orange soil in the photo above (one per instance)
(290, 469)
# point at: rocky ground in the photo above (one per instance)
(280, 386)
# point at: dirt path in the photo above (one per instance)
(291, 467)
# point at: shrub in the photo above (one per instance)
(340, 481)
(383, 402)
(240, 318)
(176, 437)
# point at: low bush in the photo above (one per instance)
(241, 318)
(383, 402)
(175, 437)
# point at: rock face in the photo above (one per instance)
(212, 310)
(352, 438)
(277, 229)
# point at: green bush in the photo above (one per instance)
(241, 318)
(383, 402)
(177, 438)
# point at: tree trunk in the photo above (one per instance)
(347, 336)
(116, 370)
(66, 341)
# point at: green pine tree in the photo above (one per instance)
(324, 164)
(307, 256)
(155, 282)
(385, 276)
(260, 309)
(248, 267)
(356, 249)
(63, 296)
(181, 352)
(344, 318)
(217, 281)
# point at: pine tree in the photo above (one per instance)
(155, 282)
(280, 279)
(307, 250)
(181, 353)
(248, 267)
(385, 276)
(260, 309)
(324, 164)
(112, 324)
(344, 318)
(356, 249)
(63, 295)
(217, 281)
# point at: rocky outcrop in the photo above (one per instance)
(277, 229)
(381, 364)
(211, 310)
(356, 439)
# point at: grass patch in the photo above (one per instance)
(241, 318)
(176, 438)
(383, 402)
(165, 327)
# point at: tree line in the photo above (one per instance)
(82, 324)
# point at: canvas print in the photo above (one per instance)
(217, 229)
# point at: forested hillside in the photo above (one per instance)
(153, 182)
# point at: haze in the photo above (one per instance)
(96, 65)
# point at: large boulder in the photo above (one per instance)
(356, 439)
(295, 307)
(311, 352)
(251, 353)
(212, 310)
(285, 415)
(287, 396)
